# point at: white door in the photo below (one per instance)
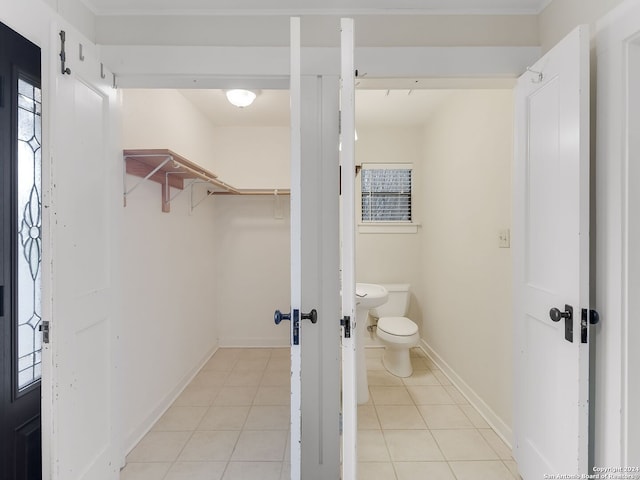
(551, 262)
(315, 309)
(80, 415)
(347, 236)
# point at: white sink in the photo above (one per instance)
(369, 295)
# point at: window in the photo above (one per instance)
(386, 193)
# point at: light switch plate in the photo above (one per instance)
(504, 238)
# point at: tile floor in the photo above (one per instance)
(232, 423)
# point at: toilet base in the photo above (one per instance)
(397, 361)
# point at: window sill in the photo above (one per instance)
(390, 227)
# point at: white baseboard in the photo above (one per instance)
(499, 426)
(135, 434)
(248, 342)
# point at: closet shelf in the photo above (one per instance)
(169, 169)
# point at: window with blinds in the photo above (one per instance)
(386, 193)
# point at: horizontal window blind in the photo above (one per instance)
(386, 194)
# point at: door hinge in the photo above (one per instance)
(44, 328)
(346, 323)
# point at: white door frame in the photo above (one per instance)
(617, 400)
(348, 253)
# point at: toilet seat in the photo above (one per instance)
(398, 326)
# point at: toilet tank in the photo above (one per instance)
(398, 303)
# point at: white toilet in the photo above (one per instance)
(397, 332)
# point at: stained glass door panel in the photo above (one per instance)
(29, 233)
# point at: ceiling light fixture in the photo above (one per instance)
(241, 98)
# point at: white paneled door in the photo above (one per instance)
(551, 262)
(80, 417)
(315, 290)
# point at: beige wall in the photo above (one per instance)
(252, 267)
(166, 119)
(169, 326)
(466, 293)
(562, 16)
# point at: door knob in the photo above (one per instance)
(279, 316)
(312, 315)
(556, 315)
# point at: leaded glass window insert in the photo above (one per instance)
(386, 193)
(29, 232)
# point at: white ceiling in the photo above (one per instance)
(374, 108)
(311, 7)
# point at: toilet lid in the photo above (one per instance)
(400, 326)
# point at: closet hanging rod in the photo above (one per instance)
(256, 191)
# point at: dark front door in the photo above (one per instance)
(20, 254)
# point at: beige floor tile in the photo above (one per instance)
(220, 364)
(276, 378)
(422, 363)
(412, 446)
(206, 446)
(382, 395)
(372, 447)
(209, 378)
(231, 396)
(253, 471)
(180, 419)
(397, 417)
(281, 352)
(456, 395)
(286, 469)
(279, 395)
(417, 352)
(501, 448)
(429, 395)
(250, 365)
(243, 378)
(421, 377)
(196, 396)
(376, 471)
(463, 444)
(382, 377)
(474, 416)
(260, 445)
(255, 354)
(196, 471)
(444, 380)
(224, 418)
(368, 418)
(268, 417)
(159, 447)
(444, 416)
(144, 471)
(492, 470)
(423, 470)
(281, 364)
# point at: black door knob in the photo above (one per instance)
(556, 315)
(312, 315)
(279, 316)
